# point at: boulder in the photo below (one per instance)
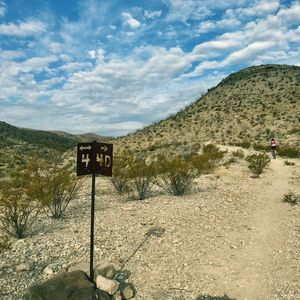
(66, 286)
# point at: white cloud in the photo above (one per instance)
(129, 20)
(2, 8)
(152, 14)
(10, 54)
(56, 47)
(213, 48)
(247, 53)
(23, 28)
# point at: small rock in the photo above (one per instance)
(49, 270)
(108, 285)
(23, 267)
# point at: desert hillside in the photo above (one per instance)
(252, 105)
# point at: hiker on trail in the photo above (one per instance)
(273, 147)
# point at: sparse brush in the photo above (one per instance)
(5, 243)
(141, 178)
(176, 176)
(19, 202)
(288, 163)
(120, 178)
(257, 162)
(288, 151)
(238, 153)
(291, 198)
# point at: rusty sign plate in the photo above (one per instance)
(94, 158)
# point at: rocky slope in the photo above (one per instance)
(253, 105)
(231, 235)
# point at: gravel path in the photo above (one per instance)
(230, 236)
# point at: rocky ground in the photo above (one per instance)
(231, 235)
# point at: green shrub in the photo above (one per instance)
(291, 198)
(206, 162)
(203, 163)
(288, 163)
(257, 162)
(5, 243)
(244, 144)
(238, 153)
(176, 176)
(120, 177)
(288, 151)
(58, 184)
(260, 147)
(19, 202)
(141, 178)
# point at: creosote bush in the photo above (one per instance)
(19, 202)
(206, 162)
(257, 162)
(291, 198)
(142, 177)
(288, 151)
(176, 176)
(5, 243)
(58, 184)
(32, 186)
(120, 178)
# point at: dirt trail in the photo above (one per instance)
(258, 261)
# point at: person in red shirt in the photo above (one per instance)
(273, 147)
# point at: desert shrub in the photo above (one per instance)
(141, 176)
(244, 144)
(120, 177)
(260, 147)
(19, 202)
(288, 163)
(291, 198)
(5, 243)
(257, 162)
(206, 162)
(208, 148)
(176, 175)
(238, 153)
(203, 163)
(58, 184)
(288, 151)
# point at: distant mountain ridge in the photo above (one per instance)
(14, 136)
(252, 105)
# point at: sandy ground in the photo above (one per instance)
(232, 235)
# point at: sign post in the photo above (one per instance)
(94, 158)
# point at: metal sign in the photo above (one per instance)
(94, 158)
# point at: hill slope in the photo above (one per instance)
(14, 136)
(252, 105)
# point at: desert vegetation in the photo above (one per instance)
(32, 187)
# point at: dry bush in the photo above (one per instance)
(120, 177)
(19, 202)
(176, 176)
(142, 177)
(205, 163)
(58, 184)
(291, 198)
(257, 162)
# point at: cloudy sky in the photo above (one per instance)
(112, 66)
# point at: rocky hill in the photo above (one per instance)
(252, 106)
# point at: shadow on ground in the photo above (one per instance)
(208, 297)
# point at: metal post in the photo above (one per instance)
(92, 228)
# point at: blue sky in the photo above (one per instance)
(113, 66)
